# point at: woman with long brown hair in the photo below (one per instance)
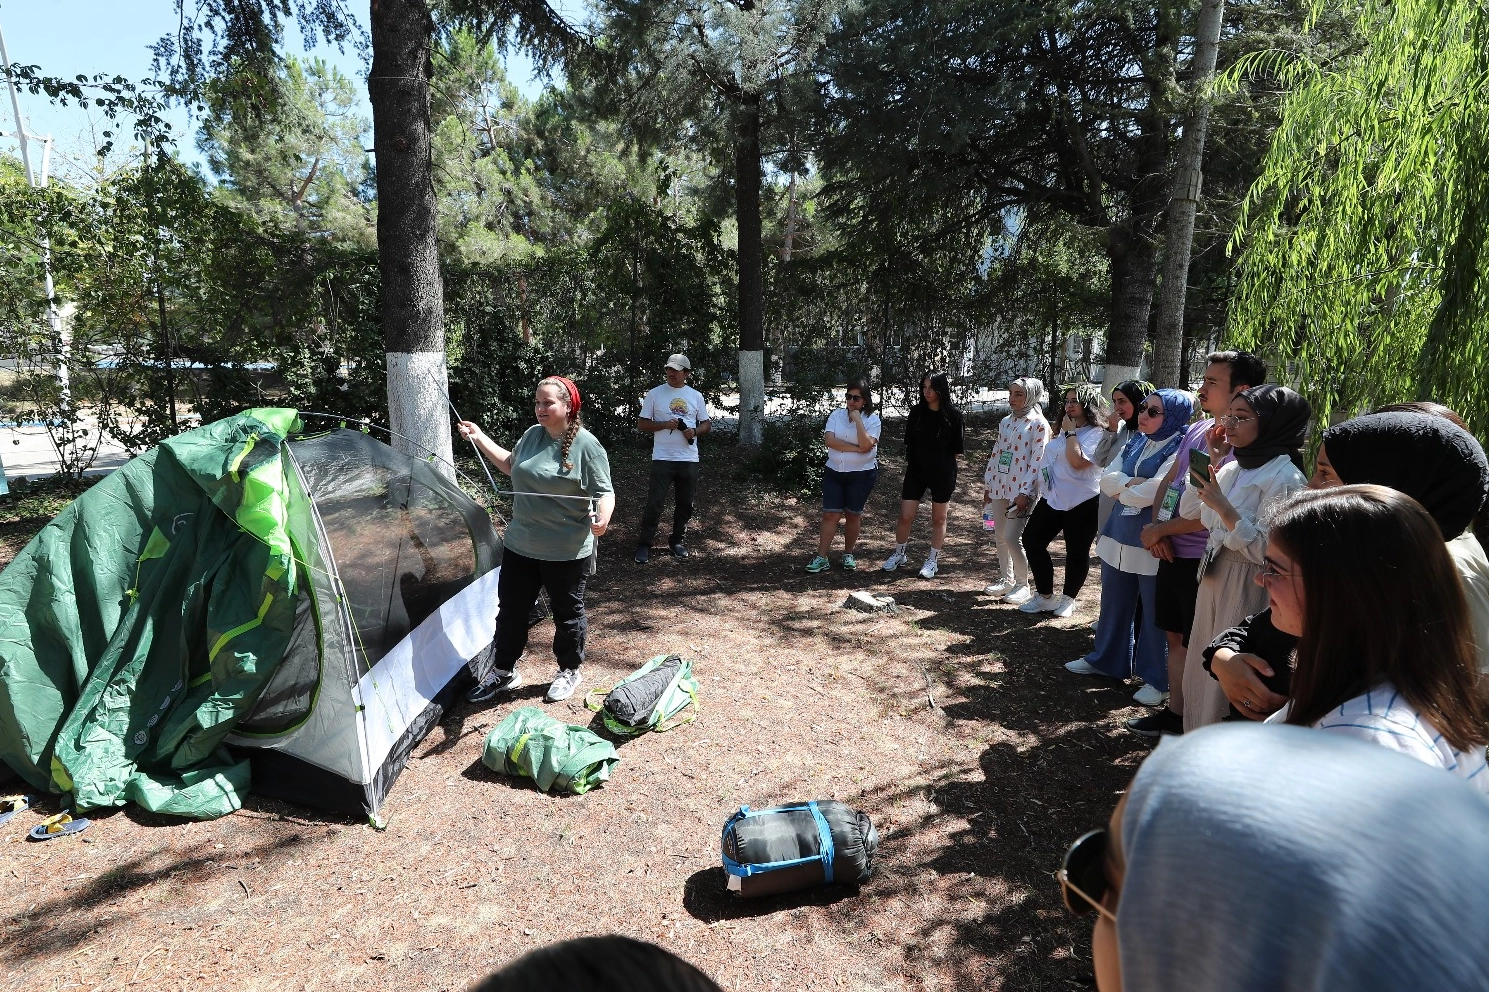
(1360, 574)
(563, 501)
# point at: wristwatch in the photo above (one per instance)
(1070, 433)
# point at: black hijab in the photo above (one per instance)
(1283, 425)
(1430, 459)
(1136, 392)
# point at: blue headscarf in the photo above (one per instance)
(1178, 407)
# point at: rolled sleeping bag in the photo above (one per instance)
(633, 702)
(797, 846)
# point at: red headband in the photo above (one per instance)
(574, 400)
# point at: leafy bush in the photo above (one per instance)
(792, 456)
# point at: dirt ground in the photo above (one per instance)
(975, 790)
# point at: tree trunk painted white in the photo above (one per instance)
(418, 384)
(1113, 375)
(751, 397)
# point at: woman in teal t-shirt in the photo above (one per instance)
(563, 501)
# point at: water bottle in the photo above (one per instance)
(989, 519)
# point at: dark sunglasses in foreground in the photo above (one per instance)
(1083, 874)
(855, 396)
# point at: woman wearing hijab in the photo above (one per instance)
(1360, 575)
(1127, 641)
(1069, 483)
(934, 437)
(564, 501)
(1280, 859)
(1265, 430)
(1121, 427)
(1428, 458)
(1011, 481)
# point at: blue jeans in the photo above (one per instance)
(1125, 643)
(847, 492)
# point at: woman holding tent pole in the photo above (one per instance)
(562, 501)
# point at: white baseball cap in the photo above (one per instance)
(680, 361)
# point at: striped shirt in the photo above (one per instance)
(1383, 716)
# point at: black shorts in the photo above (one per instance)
(940, 481)
(1178, 588)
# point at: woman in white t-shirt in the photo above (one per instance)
(1360, 574)
(1069, 484)
(852, 439)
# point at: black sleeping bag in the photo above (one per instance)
(797, 846)
(633, 702)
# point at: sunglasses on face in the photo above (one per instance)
(1153, 411)
(1083, 874)
(855, 396)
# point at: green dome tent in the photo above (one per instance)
(243, 608)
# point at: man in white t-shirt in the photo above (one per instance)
(675, 415)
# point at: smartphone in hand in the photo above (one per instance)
(1199, 466)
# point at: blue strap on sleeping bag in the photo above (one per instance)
(825, 853)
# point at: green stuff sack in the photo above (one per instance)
(532, 744)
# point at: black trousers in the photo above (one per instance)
(681, 476)
(1079, 525)
(517, 589)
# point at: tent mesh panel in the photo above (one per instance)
(403, 538)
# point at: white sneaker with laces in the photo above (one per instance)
(563, 685)
(1063, 607)
(1150, 696)
(1019, 595)
(1037, 604)
(1081, 666)
(894, 561)
(928, 570)
(1000, 588)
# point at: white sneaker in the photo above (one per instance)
(894, 561)
(1081, 666)
(1037, 604)
(1000, 588)
(1063, 607)
(1019, 595)
(563, 684)
(928, 570)
(1150, 696)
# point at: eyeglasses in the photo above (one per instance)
(1230, 421)
(1083, 873)
(855, 396)
(1270, 570)
(1152, 411)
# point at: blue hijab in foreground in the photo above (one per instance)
(1178, 408)
(1286, 859)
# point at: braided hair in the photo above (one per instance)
(573, 418)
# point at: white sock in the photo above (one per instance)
(931, 556)
(899, 549)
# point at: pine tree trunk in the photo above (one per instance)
(1132, 245)
(1168, 342)
(747, 180)
(412, 293)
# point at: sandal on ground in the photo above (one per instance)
(11, 805)
(61, 825)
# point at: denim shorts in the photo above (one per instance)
(847, 492)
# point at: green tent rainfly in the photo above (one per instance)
(236, 608)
